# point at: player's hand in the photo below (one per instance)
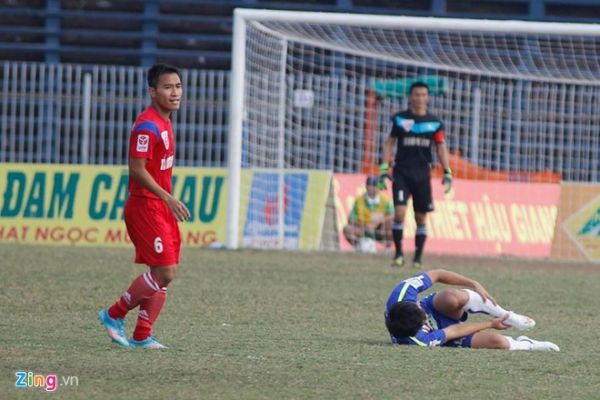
(480, 290)
(179, 210)
(498, 323)
(383, 175)
(447, 180)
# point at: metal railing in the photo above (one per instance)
(76, 114)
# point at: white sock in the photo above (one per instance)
(518, 344)
(476, 304)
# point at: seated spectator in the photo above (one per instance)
(371, 216)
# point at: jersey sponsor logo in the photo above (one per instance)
(407, 124)
(415, 281)
(166, 163)
(165, 137)
(142, 143)
(416, 141)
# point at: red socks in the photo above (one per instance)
(149, 310)
(143, 287)
(147, 292)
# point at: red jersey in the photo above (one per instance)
(152, 138)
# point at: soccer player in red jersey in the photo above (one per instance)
(151, 212)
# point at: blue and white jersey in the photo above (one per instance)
(408, 290)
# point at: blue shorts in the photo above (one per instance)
(443, 321)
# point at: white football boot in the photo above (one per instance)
(521, 322)
(539, 345)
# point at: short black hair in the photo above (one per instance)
(404, 319)
(157, 70)
(372, 180)
(418, 84)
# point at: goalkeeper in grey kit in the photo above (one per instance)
(414, 132)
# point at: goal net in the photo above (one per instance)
(520, 102)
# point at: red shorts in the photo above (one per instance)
(153, 230)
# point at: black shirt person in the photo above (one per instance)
(414, 133)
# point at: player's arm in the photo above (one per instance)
(137, 171)
(388, 150)
(449, 278)
(442, 152)
(443, 155)
(452, 278)
(439, 138)
(387, 161)
(457, 331)
(353, 216)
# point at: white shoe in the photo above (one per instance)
(538, 345)
(521, 322)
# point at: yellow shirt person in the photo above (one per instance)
(371, 215)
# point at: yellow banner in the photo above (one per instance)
(83, 205)
(315, 206)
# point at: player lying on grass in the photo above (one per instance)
(439, 318)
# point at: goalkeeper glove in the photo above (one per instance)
(383, 175)
(447, 180)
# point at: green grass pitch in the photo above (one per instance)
(278, 325)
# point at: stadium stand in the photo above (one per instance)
(197, 34)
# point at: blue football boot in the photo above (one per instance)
(149, 343)
(114, 327)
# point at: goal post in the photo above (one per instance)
(314, 91)
(236, 107)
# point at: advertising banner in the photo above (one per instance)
(83, 204)
(303, 203)
(476, 218)
(578, 230)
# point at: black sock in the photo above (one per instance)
(420, 237)
(397, 233)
